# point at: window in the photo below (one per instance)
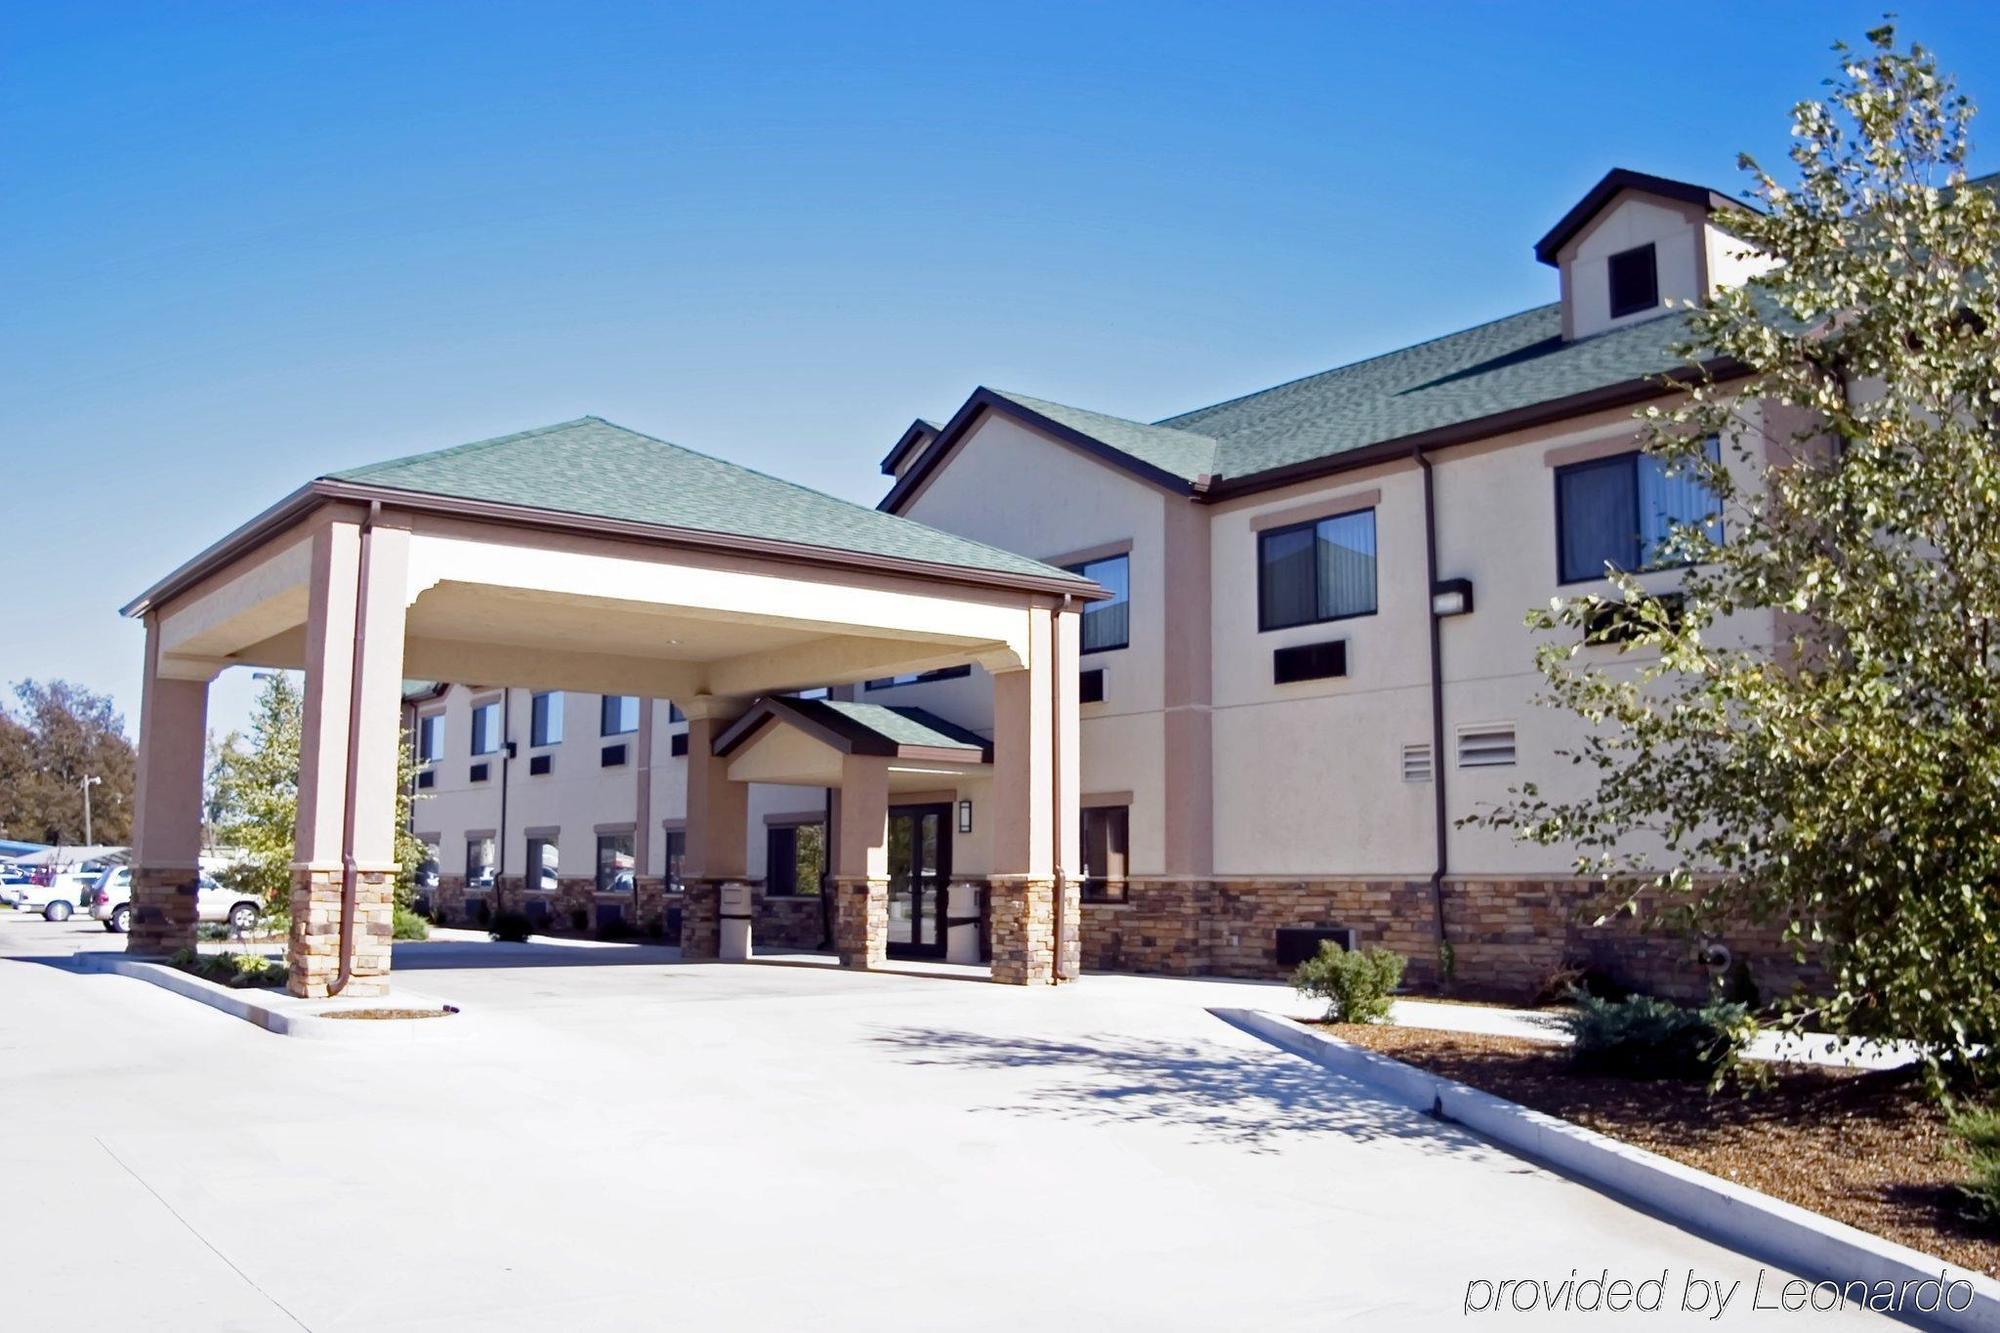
(1417, 763)
(618, 714)
(614, 863)
(430, 738)
(1103, 834)
(542, 863)
(1635, 280)
(1621, 512)
(795, 859)
(674, 713)
(1486, 745)
(1107, 624)
(942, 673)
(545, 719)
(486, 727)
(478, 864)
(1311, 572)
(677, 845)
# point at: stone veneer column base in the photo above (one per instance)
(163, 910)
(649, 903)
(1021, 919)
(701, 920)
(313, 951)
(861, 922)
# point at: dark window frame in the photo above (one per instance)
(922, 677)
(532, 866)
(1629, 458)
(605, 725)
(1105, 888)
(1620, 309)
(430, 737)
(1082, 567)
(544, 706)
(674, 845)
(493, 864)
(1375, 530)
(781, 847)
(488, 736)
(603, 883)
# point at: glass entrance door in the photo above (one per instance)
(919, 873)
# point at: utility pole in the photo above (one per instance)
(87, 782)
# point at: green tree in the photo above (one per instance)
(1847, 781)
(57, 736)
(254, 801)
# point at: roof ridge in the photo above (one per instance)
(1026, 398)
(1353, 365)
(470, 446)
(804, 489)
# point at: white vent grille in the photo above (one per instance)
(1416, 763)
(1486, 745)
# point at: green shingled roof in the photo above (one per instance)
(593, 469)
(901, 724)
(1511, 363)
(1180, 452)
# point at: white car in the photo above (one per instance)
(63, 894)
(111, 903)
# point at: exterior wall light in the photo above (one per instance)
(1451, 597)
(965, 816)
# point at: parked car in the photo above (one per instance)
(58, 893)
(111, 903)
(14, 881)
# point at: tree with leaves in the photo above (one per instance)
(255, 802)
(57, 737)
(1845, 780)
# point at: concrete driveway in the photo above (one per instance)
(609, 1139)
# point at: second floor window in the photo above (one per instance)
(1108, 624)
(1621, 511)
(486, 728)
(619, 715)
(430, 738)
(545, 719)
(1309, 572)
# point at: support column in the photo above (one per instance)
(166, 824)
(349, 735)
(1035, 908)
(718, 822)
(861, 863)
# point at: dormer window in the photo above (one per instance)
(1635, 280)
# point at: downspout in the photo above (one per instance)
(348, 876)
(1056, 976)
(500, 844)
(1443, 854)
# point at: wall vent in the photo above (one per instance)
(426, 779)
(678, 745)
(1090, 686)
(1309, 661)
(1486, 745)
(611, 756)
(480, 772)
(538, 764)
(1417, 763)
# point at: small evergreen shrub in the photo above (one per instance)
(410, 926)
(1644, 1037)
(235, 970)
(513, 927)
(1355, 986)
(1978, 1134)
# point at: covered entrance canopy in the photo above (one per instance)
(588, 557)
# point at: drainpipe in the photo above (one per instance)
(348, 876)
(1056, 976)
(500, 844)
(1443, 856)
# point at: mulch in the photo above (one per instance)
(1864, 1147)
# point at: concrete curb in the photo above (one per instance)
(1816, 1248)
(282, 1015)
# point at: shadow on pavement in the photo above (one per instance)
(1245, 1098)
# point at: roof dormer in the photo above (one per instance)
(1634, 244)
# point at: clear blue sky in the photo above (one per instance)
(247, 244)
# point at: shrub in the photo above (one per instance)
(1644, 1037)
(615, 929)
(1978, 1134)
(410, 926)
(1355, 986)
(212, 930)
(513, 927)
(235, 970)
(656, 929)
(482, 912)
(579, 920)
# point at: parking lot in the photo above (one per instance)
(608, 1138)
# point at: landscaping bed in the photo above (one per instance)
(1865, 1148)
